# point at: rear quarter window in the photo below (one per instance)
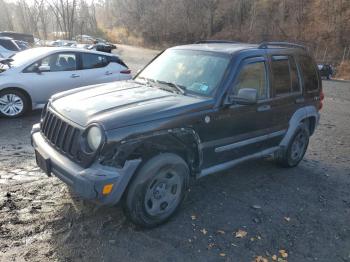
(91, 61)
(309, 72)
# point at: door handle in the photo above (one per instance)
(264, 108)
(74, 76)
(108, 73)
(300, 100)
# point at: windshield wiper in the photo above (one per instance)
(148, 80)
(180, 89)
(6, 61)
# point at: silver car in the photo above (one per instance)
(29, 78)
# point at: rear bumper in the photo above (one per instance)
(87, 183)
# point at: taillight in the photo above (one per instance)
(320, 106)
(321, 96)
(126, 71)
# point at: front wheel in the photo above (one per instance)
(13, 103)
(157, 190)
(296, 148)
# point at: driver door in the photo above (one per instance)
(242, 130)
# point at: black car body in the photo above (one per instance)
(19, 36)
(326, 70)
(203, 132)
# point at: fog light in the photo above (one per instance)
(107, 189)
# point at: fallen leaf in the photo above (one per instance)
(204, 231)
(256, 206)
(260, 259)
(222, 232)
(283, 253)
(222, 255)
(274, 257)
(241, 233)
(252, 239)
(259, 237)
(211, 245)
(287, 219)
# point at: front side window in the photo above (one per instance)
(91, 61)
(252, 76)
(198, 72)
(56, 63)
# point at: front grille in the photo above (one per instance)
(63, 136)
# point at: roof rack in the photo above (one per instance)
(216, 42)
(265, 45)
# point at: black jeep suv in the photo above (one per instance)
(192, 111)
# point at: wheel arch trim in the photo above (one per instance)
(300, 115)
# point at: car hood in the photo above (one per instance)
(123, 103)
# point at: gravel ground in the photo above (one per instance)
(255, 209)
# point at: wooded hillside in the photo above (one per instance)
(323, 25)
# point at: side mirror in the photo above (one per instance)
(245, 96)
(44, 68)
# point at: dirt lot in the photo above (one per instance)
(304, 211)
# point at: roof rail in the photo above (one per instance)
(265, 45)
(216, 42)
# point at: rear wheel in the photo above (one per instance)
(13, 103)
(296, 148)
(157, 190)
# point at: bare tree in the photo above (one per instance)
(64, 11)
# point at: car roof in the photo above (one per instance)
(50, 50)
(234, 47)
(5, 38)
(228, 48)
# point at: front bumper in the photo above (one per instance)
(87, 183)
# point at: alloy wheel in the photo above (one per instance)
(11, 105)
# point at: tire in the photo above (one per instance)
(18, 101)
(157, 191)
(297, 147)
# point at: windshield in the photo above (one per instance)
(198, 72)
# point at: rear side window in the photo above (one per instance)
(309, 72)
(117, 60)
(9, 45)
(91, 61)
(285, 75)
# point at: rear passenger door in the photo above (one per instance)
(286, 91)
(98, 68)
(93, 69)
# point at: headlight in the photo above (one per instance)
(94, 138)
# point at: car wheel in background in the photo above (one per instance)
(157, 190)
(13, 103)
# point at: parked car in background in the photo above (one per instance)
(8, 47)
(30, 77)
(18, 36)
(326, 70)
(22, 44)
